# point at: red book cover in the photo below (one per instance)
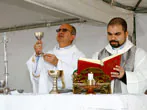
(104, 66)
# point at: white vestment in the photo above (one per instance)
(136, 80)
(68, 58)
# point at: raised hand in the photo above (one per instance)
(38, 47)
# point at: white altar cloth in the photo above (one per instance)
(73, 102)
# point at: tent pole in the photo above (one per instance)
(136, 6)
(41, 25)
(134, 30)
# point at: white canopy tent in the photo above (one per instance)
(90, 18)
(56, 10)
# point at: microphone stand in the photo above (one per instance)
(5, 41)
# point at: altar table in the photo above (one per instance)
(71, 101)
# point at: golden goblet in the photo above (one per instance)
(39, 35)
(55, 74)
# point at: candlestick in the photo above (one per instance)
(6, 88)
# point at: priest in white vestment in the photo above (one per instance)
(64, 57)
(132, 73)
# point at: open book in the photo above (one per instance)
(101, 67)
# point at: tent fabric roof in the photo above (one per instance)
(92, 10)
(28, 12)
(138, 6)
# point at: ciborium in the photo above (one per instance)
(55, 74)
(39, 35)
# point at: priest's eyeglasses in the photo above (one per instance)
(63, 30)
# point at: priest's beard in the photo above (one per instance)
(114, 43)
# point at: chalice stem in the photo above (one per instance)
(55, 84)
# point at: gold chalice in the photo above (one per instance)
(39, 35)
(55, 74)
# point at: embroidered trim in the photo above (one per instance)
(36, 76)
(33, 59)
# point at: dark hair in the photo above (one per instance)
(118, 21)
(73, 32)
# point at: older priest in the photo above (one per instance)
(64, 57)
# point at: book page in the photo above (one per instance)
(92, 60)
(110, 57)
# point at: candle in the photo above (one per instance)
(90, 76)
